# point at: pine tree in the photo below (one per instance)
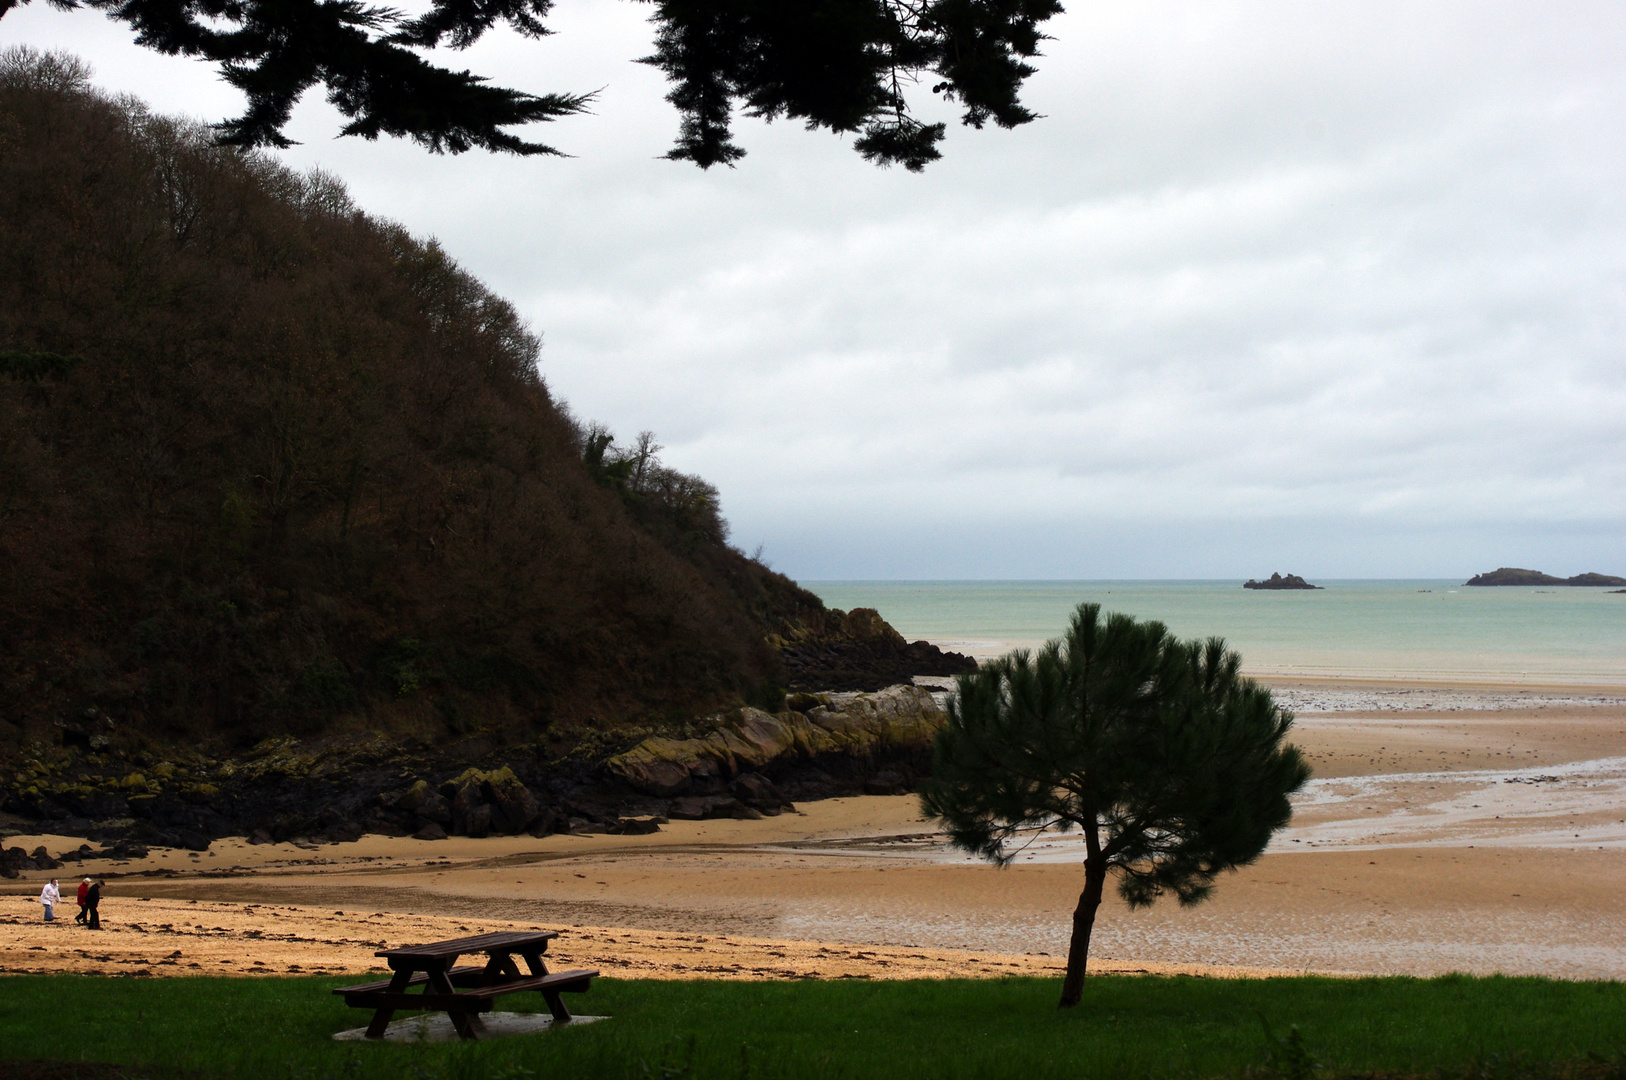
(842, 65)
(1172, 765)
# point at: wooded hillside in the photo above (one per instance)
(270, 465)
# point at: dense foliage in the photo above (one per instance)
(842, 65)
(1171, 765)
(267, 463)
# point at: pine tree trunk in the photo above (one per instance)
(1078, 952)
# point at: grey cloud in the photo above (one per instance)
(1337, 285)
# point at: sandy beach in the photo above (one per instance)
(1464, 827)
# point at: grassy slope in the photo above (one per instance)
(1127, 1027)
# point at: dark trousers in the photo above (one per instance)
(82, 914)
(95, 919)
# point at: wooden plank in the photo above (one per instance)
(511, 940)
(559, 981)
(460, 977)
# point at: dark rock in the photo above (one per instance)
(124, 849)
(345, 832)
(98, 804)
(91, 731)
(290, 826)
(388, 822)
(547, 822)
(690, 808)
(463, 804)
(430, 831)
(759, 792)
(259, 836)
(663, 777)
(425, 802)
(513, 807)
(886, 782)
(637, 826)
(477, 822)
(192, 840)
(702, 807)
(1277, 581)
(14, 861)
(436, 808)
(51, 810)
(1513, 575)
(858, 650)
(73, 826)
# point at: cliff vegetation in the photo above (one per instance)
(272, 467)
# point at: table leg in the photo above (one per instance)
(556, 1003)
(499, 967)
(556, 1006)
(468, 1027)
(381, 1017)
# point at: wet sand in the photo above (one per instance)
(1486, 837)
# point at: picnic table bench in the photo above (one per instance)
(465, 992)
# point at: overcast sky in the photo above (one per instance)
(1334, 289)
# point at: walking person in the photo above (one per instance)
(50, 896)
(84, 889)
(93, 898)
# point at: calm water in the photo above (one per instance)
(1421, 628)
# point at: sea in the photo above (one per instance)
(1396, 629)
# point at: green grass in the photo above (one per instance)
(1127, 1027)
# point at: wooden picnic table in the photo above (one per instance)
(465, 992)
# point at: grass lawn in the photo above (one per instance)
(1127, 1026)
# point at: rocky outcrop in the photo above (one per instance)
(744, 763)
(899, 719)
(1513, 575)
(1277, 581)
(857, 650)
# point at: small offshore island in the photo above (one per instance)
(1512, 575)
(1291, 581)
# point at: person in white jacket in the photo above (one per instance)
(49, 896)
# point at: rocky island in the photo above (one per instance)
(1512, 575)
(1277, 581)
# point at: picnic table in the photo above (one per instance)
(465, 992)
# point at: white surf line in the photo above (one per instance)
(1579, 806)
(1414, 699)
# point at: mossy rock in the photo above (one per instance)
(751, 740)
(470, 775)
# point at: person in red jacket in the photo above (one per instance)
(84, 891)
